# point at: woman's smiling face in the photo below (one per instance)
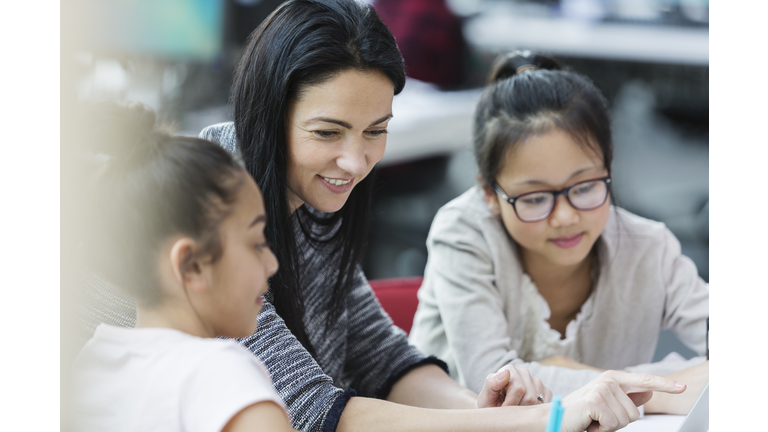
(551, 161)
(336, 133)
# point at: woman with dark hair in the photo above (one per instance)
(312, 98)
(534, 267)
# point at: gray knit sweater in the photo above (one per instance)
(363, 353)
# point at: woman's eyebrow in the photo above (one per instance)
(259, 218)
(330, 120)
(345, 124)
(381, 120)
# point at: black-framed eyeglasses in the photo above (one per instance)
(536, 206)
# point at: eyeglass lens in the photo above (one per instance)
(583, 196)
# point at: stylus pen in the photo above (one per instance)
(555, 415)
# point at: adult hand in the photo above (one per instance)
(511, 387)
(609, 402)
(695, 377)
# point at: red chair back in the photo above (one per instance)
(398, 298)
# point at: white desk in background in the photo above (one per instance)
(500, 29)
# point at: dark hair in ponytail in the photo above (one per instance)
(148, 187)
(302, 43)
(530, 94)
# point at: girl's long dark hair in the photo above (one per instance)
(302, 43)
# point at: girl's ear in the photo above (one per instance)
(188, 268)
(489, 195)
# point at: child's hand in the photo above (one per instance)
(511, 387)
(695, 377)
(609, 402)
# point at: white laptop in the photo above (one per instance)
(697, 419)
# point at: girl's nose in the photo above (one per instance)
(353, 158)
(563, 214)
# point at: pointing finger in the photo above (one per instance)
(634, 382)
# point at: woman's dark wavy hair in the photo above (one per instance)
(303, 43)
(148, 187)
(529, 94)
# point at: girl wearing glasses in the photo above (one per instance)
(534, 267)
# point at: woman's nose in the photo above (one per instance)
(353, 158)
(563, 214)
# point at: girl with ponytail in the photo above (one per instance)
(534, 267)
(178, 225)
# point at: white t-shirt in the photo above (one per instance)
(157, 379)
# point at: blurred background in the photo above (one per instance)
(650, 58)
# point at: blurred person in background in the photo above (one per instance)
(534, 267)
(178, 224)
(430, 38)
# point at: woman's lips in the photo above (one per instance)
(567, 242)
(337, 188)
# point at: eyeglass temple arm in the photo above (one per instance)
(504, 196)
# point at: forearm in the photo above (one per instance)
(377, 415)
(429, 386)
(696, 378)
